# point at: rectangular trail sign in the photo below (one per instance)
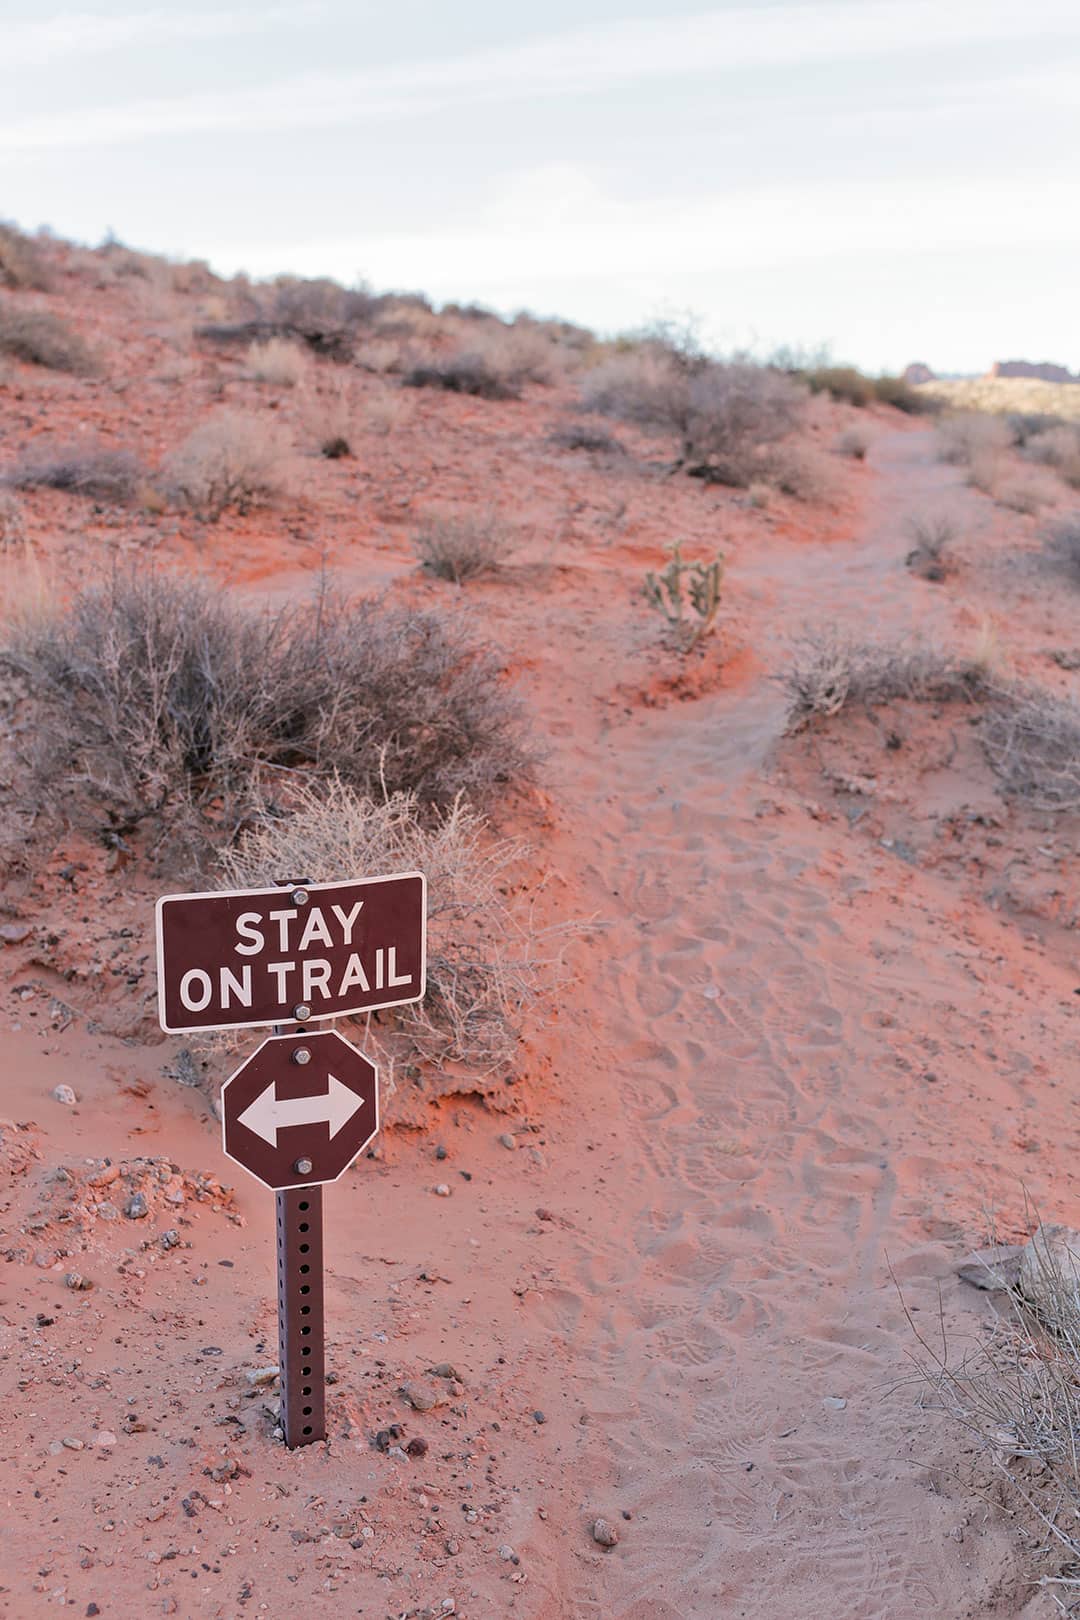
(275, 956)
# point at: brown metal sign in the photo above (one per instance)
(300, 1109)
(275, 956)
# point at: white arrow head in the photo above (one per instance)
(267, 1115)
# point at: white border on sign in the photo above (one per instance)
(277, 892)
(269, 1041)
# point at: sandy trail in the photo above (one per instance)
(738, 1293)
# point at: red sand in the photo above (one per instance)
(824, 1020)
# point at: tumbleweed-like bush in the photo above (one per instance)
(92, 470)
(230, 460)
(487, 958)
(42, 339)
(162, 700)
(463, 547)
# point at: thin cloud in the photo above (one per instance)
(39, 42)
(579, 61)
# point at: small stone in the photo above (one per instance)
(440, 1152)
(539, 1417)
(453, 1548)
(420, 1395)
(449, 1606)
(76, 1280)
(170, 1239)
(604, 1534)
(136, 1207)
(507, 1553)
(446, 1369)
(441, 1191)
(14, 933)
(507, 1141)
(258, 1376)
(835, 1403)
(64, 1094)
(72, 1444)
(104, 1437)
(417, 1446)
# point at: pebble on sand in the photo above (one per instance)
(64, 1094)
(442, 1190)
(604, 1534)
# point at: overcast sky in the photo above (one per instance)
(896, 179)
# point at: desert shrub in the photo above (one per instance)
(790, 468)
(328, 417)
(460, 548)
(495, 363)
(832, 671)
(983, 472)
(229, 460)
(22, 263)
(578, 436)
(277, 361)
(1061, 543)
(971, 436)
(933, 534)
(840, 382)
(160, 698)
(1026, 426)
(758, 495)
(1021, 495)
(902, 396)
(12, 523)
(319, 310)
(1015, 1393)
(42, 339)
(82, 469)
(1032, 740)
(485, 959)
(688, 596)
(1052, 446)
(854, 443)
(385, 412)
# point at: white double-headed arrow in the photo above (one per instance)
(269, 1114)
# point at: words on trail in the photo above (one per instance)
(268, 956)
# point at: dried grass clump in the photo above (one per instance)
(92, 470)
(277, 361)
(42, 339)
(578, 436)
(386, 412)
(933, 535)
(230, 460)
(1061, 544)
(328, 417)
(1023, 496)
(832, 671)
(970, 437)
(22, 263)
(1016, 1394)
(461, 548)
(487, 960)
(156, 698)
(1057, 447)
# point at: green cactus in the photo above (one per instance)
(667, 593)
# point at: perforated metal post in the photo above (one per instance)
(301, 1336)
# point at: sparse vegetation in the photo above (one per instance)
(687, 594)
(42, 339)
(461, 548)
(22, 263)
(1032, 740)
(465, 372)
(277, 361)
(579, 436)
(155, 699)
(1062, 545)
(854, 387)
(486, 957)
(933, 535)
(92, 470)
(328, 415)
(230, 460)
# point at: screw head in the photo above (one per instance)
(303, 1167)
(301, 1012)
(300, 897)
(301, 1055)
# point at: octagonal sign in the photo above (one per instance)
(300, 1109)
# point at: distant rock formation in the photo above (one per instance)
(1044, 371)
(918, 372)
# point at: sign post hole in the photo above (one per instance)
(304, 1105)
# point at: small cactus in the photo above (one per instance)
(700, 593)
